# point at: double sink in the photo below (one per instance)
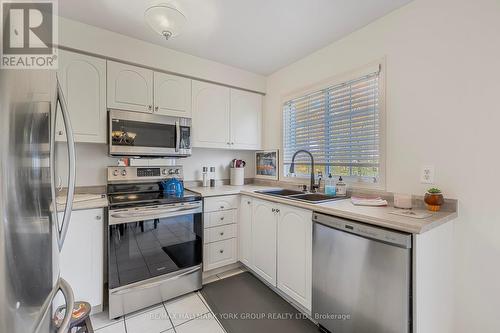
(301, 196)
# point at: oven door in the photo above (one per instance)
(141, 134)
(155, 258)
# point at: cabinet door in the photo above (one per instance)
(295, 254)
(246, 120)
(245, 231)
(264, 240)
(210, 115)
(172, 95)
(81, 259)
(83, 81)
(130, 87)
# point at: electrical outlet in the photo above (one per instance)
(427, 175)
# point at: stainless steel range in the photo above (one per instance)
(154, 239)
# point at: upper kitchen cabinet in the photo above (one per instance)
(130, 87)
(211, 115)
(246, 120)
(172, 95)
(83, 81)
(226, 118)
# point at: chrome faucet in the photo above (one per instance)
(313, 187)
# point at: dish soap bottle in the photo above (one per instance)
(330, 188)
(341, 188)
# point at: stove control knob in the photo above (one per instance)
(164, 172)
(116, 173)
(177, 171)
(124, 173)
(171, 172)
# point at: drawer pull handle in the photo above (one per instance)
(222, 234)
(221, 251)
(221, 207)
(222, 218)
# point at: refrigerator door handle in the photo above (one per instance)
(65, 288)
(63, 228)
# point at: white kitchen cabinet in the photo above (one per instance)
(264, 227)
(226, 118)
(81, 260)
(129, 87)
(83, 81)
(294, 255)
(246, 120)
(172, 95)
(245, 230)
(218, 254)
(211, 115)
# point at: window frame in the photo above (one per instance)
(332, 81)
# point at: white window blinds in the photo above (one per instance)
(339, 125)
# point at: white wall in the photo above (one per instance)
(443, 68)
(92, 160)
(88, 38)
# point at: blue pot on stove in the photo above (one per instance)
(173, 186)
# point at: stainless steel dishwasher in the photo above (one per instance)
(361, 277)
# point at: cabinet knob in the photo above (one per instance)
(277, 210)
(222, 234)
(273, 210)
(232, 143)
(150, 107)
(221, 207)
(222, 218)
(156, 108)
(60, 133)
(221, 251)
(248, 202)
(98, 217)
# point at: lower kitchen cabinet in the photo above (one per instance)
(264, 226)
(294, 257)
(218, 254)
(245, 230)
(81, 259)
(275, 242)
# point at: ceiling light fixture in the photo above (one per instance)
(165, 19)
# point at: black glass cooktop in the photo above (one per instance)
(126, 195)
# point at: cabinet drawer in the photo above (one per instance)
(219, 254)
(215, 219)
(214, 204)
(219, 233)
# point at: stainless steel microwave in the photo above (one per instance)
(143, 134)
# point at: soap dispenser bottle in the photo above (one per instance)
(341, 188)
(330, 188)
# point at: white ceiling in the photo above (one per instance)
(261, 36)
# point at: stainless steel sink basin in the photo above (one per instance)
(315, 197)
(301, 196)
(281, 192)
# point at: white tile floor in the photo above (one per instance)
(186, 314)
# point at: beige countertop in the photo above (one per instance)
(85, 198)
(226, 189)
(379, 216)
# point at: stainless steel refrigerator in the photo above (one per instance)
(31, 236)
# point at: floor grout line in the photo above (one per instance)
(213, 314)
(187, 321)
(171, 322)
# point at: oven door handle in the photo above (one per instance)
(155, 283)
(146, 213)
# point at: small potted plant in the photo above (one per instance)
(434, 199)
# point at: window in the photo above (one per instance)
(340, 125)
